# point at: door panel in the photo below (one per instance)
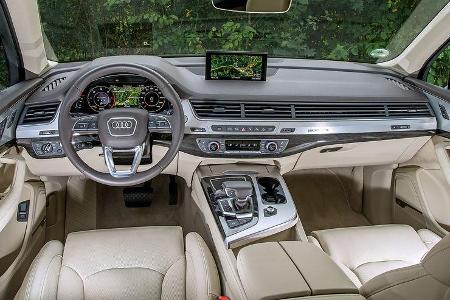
(22, 222)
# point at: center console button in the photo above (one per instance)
(214, 146)
(270, 211)
(233, 223)
(271, 146)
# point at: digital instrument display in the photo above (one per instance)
(121, 91)
(236, 66)
(126, 96)
(242, 145)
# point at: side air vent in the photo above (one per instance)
(399, 84)
(308, 111)
(38, 114)
(409, 110)
(53, 84)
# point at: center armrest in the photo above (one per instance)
(290, 269)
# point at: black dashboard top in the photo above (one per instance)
(287, 79)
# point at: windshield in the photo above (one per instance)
(350, 30)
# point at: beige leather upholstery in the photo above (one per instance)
(289, 269)
(430, 279)
(129, 263)
(366, 252)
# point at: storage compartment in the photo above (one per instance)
(290, 269)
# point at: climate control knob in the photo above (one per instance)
(214, 146)
(271, 146)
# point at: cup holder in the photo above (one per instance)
(271, 190)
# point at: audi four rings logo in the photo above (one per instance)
(121, 124)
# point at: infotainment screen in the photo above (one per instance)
(236, 66)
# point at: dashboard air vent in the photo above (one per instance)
(314, 111)
(38, 114)
(308, 110)
(53, 84)
(268, 111)
(217, 109)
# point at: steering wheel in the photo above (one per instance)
(121, 130)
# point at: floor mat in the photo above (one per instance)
(95, 206)
(112, 212)
(322, 200)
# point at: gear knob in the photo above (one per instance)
(238, 189)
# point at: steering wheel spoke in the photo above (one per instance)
(159, 123)
(85, 125)
(109, 160)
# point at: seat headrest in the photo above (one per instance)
(437, 261)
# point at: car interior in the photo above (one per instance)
(231, 162)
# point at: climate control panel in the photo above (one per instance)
(242, 146)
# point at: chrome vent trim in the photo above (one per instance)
(39, 114)
(53, 84)
(215, 109)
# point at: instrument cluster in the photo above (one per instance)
(123, 90)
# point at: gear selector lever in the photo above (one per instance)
(240, 191)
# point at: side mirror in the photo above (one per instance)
(253, 6)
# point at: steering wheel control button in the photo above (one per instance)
(158, 122)
(81, 125)
(270, 211)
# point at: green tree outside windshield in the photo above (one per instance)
(346, 30)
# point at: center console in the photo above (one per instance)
(248, 205)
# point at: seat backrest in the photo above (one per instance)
(430, 279)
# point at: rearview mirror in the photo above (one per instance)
(253, 6)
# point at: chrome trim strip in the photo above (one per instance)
(301, 127)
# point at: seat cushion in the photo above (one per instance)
(132, 263)
(129, 263)
(368, 251)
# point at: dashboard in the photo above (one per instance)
(121, 90)
(302, 105)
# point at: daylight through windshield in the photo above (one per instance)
(349, 30)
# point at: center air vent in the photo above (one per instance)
(53, 84)
(39, 114)
(307, 110)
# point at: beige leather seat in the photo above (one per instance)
(368, 251)
(129, 263)
(391, 261)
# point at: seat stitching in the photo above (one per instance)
(164, 275)
(394, 285)
(76, 273)
(125, 268)
(46, 275)
(34, 271)
(379, 261)
(205, 263)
